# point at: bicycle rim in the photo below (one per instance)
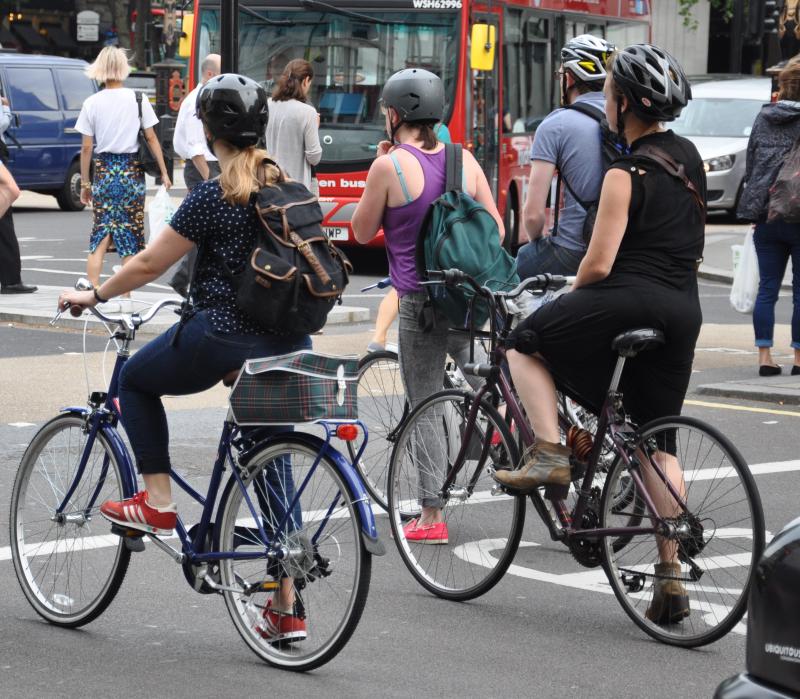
(716, 542)
(483, 529)
(381, 407)
(71, 567)
(326, 558)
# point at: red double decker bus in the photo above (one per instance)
(355, 45)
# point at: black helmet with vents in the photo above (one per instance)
(234, 109)
(653, 81)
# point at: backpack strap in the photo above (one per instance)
(588, 110)
(668, 163)
(139, 105)
(454, 168)
(402, 177)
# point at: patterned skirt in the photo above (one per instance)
(118, 191)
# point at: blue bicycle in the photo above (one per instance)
(292, 512)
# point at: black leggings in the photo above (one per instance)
(574, 334)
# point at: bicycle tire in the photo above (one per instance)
(714, 540)
(479, 523)
(333, 592)
(382, 407)
(96, 552)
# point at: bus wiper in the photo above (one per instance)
(266, 20)
(327, 7)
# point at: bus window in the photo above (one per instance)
(352, 59)
(528, 84)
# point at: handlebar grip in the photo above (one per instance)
(483, 370)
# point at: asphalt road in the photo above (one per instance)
(532, 635)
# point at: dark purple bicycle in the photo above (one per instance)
(675, 489)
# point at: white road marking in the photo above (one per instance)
(36, 257)
(21, 424)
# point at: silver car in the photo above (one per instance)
(718, 120)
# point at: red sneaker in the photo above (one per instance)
(280, 626)
(426, 533)
(136, 513)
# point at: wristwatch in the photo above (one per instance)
(97, 297)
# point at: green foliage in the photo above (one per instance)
(685, 8)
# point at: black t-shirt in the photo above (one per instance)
(666, 229)
(221, 231)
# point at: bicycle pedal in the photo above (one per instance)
(134, 544)
(556, 492)
(126, 532)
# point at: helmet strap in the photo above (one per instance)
(620, 124)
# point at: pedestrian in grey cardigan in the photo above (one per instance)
(292, 135)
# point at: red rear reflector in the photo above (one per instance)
(347, 432)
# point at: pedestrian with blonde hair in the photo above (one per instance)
(292, 136)
(110, 123)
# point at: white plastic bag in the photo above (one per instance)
(745, 275)
(159, 213)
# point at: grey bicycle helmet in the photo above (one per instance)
(585, 57)
(234, 108)
(653, 81)
(417, 95)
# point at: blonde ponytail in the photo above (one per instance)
(245, 173)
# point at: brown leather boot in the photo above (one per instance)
(543, 463)
(670, 603)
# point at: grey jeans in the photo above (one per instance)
(422, 361)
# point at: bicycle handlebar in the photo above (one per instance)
(541, 282)
(128, 321)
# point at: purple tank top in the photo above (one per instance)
(401, 223)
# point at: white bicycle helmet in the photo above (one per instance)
(585, 57)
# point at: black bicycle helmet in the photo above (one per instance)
(234, 109)
(653, 81)
(417, 95)
(585, 57)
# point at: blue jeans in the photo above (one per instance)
(774, 243)
(198, 360)
(544, 256)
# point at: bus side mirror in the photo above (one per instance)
(482, 46)
(187, 30)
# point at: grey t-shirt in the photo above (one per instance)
(571, 141)
(292, 138)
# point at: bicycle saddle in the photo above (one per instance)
(631, 342)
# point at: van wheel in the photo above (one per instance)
(69, 196)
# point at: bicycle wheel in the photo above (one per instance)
(483, 529)
(381, 407)
(716, 542)
(69, 566)
(320, 544)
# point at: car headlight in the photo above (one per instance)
(724, 162)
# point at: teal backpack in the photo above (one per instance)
(459, 233)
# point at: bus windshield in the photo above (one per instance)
(352, 59)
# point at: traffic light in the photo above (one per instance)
(772, 11)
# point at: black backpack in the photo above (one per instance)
(610, 149)
(294, 275)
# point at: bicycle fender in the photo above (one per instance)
(361, 499)
(110, 433)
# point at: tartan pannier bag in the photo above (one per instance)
(294, 275)
(289, 389)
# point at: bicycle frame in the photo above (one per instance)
(103, 416)
(611, 419)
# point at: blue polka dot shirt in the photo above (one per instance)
(221, 231)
